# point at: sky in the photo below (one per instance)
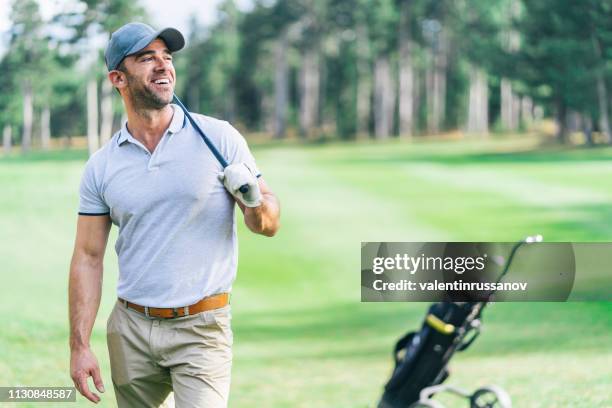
(163, 13)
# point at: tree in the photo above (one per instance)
(311, 35)
(600, 19)
(224, 61)
(9, 102)
(383, 27)
(364, 70)
(479, 29)
(406, 69)
(99, 20)
(26, 47)
(436, 35)
(558, 56)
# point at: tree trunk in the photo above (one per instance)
(309, 100)
(281, 85)
(510, 106)
(436, 83)
(516, 111)
(526, 111)
(602, 95)
(384, 98)
(406, 74)
(106, 108)
(587, 128)
(28, 113)
(92, 116)
(573, 121)
(432, 128)
(478, 107)
(507, 105)
(45, 127)
(483, 102)
(561, 120)
(604, 120)
(364, 83)
(510, 102)
(439, 83)
(328, 117)
(7, 138)
(418, 91)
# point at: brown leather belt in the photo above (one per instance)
(208, 303)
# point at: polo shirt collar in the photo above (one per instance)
(176, 124)
(178, 120)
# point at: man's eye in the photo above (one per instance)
(147, 59)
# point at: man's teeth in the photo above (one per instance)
(162, 81)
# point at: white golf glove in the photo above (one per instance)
(237, 175)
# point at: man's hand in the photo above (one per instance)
(83, 364)
(235, 176)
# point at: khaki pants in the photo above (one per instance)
(190, 355)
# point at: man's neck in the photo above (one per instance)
(149, 125)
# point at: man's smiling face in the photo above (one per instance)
(150, 76)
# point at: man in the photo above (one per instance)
(174, 205)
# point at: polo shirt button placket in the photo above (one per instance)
(154, 157)
(152, 165)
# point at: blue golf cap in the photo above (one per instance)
(133, 37)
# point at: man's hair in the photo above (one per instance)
(121, 67)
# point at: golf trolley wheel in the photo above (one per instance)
(426, 404)
(491, 396)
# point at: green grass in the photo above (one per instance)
(302, 337)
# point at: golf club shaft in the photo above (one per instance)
(244, 188)
(515, 248)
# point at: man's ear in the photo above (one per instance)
(118, 79)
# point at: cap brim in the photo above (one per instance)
(173, 38)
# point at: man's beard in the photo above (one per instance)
(145, 98)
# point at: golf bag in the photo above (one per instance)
(421, 357)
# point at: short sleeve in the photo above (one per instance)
(90, 198)
(238, 149)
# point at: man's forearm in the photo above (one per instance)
(264, 219)
(84, 292)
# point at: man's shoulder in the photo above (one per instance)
(206, 120)
(100, 156)
(220, 131)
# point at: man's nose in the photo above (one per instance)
(161, 64)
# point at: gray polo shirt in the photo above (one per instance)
(177, 238)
